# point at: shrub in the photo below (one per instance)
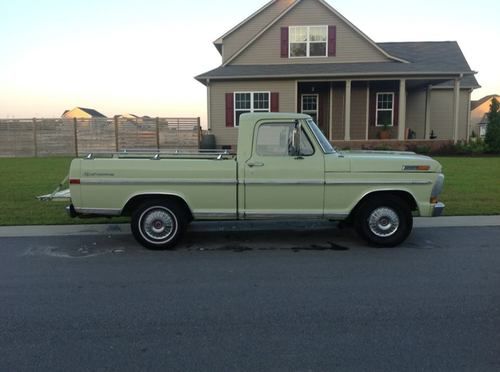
(493, 133)
(419, 149)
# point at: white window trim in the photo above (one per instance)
(308, 49)
(252, 93)
(310, 111)
(377, 109)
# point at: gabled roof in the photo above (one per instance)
(286, 11)
(92, 112)
(443, 59)
(88, 111)
(219, 41)
(476, 104)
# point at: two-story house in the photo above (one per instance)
(304, 56)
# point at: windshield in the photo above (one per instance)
(324, 143)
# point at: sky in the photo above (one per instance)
(140, 57)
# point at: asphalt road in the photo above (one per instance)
(296, 300)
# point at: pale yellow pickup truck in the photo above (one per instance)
(284, 169)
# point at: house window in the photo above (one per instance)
(310, 105)
(308, 41)
(385, 109)
(483, 128)
(245, 102)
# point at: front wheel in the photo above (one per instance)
(384, 221)
(158, 224)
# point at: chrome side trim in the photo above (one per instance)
(266, 215)
(282, 182)
(99, 211)
(380, 182)
(215, 215)
(333, 182)
(155, 181)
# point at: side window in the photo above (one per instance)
(276, 140)
(306, 147)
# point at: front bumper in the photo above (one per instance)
(438, 209)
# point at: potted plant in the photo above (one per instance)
(385, 132)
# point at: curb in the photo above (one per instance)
(124, 229)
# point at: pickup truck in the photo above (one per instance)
(284, 168)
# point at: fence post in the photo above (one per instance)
(199, 131)
(117, 142)
(75, 130)
(158, 133)
(35, 140)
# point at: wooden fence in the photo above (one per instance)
(76, 137)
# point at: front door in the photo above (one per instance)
(280, 181)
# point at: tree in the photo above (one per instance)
(493, 133)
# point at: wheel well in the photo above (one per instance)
(133, 203)
(405, 196)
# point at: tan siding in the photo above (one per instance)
(464, 113)
(338, 112)
(415, 112)
(229, 136)
(358, 111)
(237, 39)
(351, 47)
(442, 114)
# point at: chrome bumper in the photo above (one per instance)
(70, 210)
(438, 210)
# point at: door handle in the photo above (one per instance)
(256, 164)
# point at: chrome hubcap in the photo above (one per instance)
(383, 222)
(158, 224)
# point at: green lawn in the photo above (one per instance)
(21, 180)
(472, 187)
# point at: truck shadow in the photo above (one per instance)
(331, 239)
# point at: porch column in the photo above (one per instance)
(209, 106)
(456, 107)
(347, 124)
(428, 99)
(402, 110)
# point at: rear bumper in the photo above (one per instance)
(70, 210)
(438, 209)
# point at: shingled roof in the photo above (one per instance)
(425, 58)
(92, 112)
(476, 104)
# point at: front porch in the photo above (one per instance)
(366, 110)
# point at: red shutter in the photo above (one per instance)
(332, 41)
(275, 102)
(284, 42)
(230, 110)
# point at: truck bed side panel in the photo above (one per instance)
(208, 186)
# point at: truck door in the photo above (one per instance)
(285, 174)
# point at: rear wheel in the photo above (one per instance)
(159, 224)
(384, 221)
